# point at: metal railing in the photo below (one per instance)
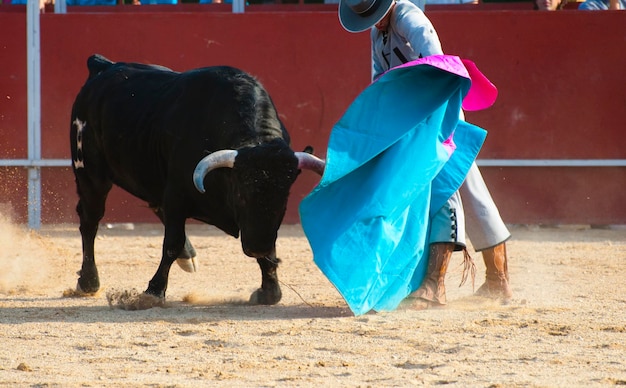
(551, 162)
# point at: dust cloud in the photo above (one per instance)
(24, 258)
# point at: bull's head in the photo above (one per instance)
(226, 158)
(262, 178)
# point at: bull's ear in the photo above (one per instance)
(97, 64)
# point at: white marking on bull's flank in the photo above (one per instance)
(80, 126)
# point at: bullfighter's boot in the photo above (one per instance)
(433, 290)
(497, 274)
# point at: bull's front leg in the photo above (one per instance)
(187, 257)
(173, 244)
(269, 293)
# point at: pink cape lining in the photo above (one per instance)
(482, 93)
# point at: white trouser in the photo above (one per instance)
(476, 213)
(483, 223)
(448, 224)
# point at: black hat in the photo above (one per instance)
(360, 15)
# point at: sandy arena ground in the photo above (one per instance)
(566, 326)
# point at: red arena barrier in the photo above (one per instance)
(555, 153)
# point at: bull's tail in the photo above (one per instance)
(97, 64)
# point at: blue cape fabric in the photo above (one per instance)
(388, 168)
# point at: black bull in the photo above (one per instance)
(205, 144)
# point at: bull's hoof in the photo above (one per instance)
(188, 251)
(155, 293)
(88, 285)
(188, 264)
(86, 290)
(261, 296)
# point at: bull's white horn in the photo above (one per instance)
(310, 162)
(217, 159)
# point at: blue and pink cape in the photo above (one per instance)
(394, 158)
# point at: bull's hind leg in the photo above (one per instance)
(187, 257)
(269, 293)
(90, 209)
